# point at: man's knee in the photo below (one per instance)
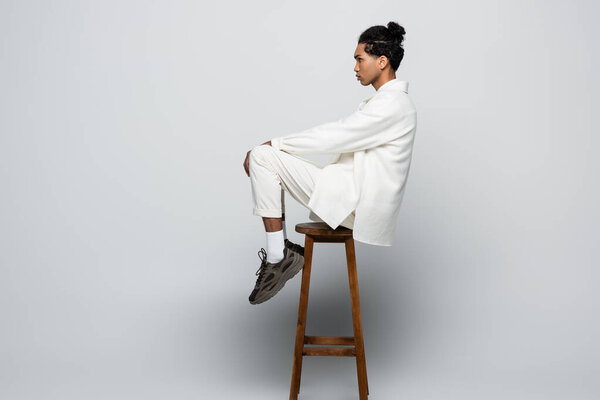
(261, 151)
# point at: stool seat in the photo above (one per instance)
(322, 231)
(348, 346)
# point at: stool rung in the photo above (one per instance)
(341, 340)
(329, 351)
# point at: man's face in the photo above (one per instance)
(367, 67)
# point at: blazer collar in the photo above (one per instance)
(392, 84)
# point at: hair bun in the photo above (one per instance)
(397, 31)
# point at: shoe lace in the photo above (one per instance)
(262, 254)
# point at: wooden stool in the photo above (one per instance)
(321, 232)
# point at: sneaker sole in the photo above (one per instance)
(287, 275)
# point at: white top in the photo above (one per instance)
(373, 148)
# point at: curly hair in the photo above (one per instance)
(385, 41)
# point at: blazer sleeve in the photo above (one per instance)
(369, 126)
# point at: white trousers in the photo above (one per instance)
(274, 171)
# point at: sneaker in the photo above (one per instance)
(272, 277)
(294, 247)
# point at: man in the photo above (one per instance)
(363, 186)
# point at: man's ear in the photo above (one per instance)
(382, 61)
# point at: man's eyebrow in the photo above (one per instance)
(358, 55)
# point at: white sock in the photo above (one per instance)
(284, 232)
(275, 246)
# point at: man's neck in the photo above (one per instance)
(382, 80)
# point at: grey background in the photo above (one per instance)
(128, 244)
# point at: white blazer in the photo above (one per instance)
(373, 148)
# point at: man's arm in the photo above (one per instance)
(377, 123)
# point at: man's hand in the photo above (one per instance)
(247, 160)
(247, 163)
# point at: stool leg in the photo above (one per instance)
(301, 325)
(361, 366)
